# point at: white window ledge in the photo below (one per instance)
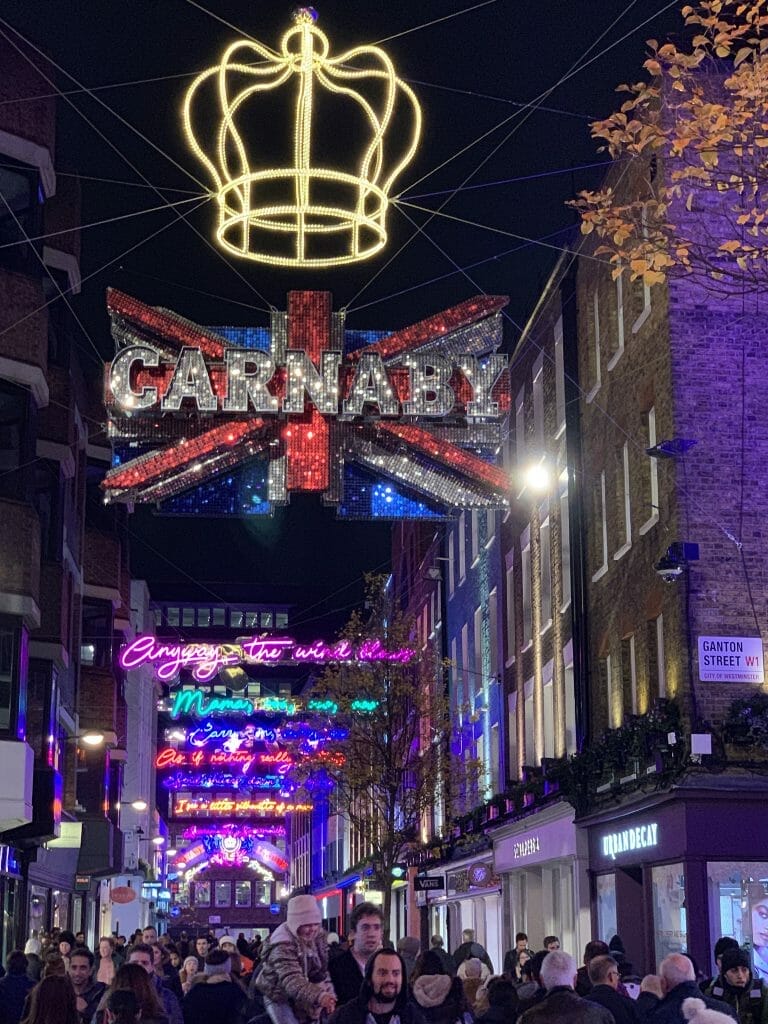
(622, 551)
(649, 524)
(615, 358)
(641, 319)
(600, 572)
(592, 395)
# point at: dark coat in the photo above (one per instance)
(669, 1010)
(92, 996)
(749, 1002)
(449, 964)
(219, 1003)
(356, 1010)
(346, 977)
(623, 1008)
(13, 993)
(583, 984)
(469, 949)
(563, 1006)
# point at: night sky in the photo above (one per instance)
(471, 72)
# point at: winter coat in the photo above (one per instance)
(347, 977)
(441, 999)
(669, 1010)
(294, 973)
(750, 1002)
(213, 1002)
(622, 1007)
(562, 1005)
(449, 964)
(356, 1010)
(13, 993)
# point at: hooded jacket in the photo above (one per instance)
(356, 1010)
(441, 999)
(287, 965)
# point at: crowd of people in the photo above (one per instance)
(303, 975)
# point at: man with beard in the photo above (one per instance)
(87, 991)
(383, 996)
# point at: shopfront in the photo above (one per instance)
(673, 873)
(10, 898)
(470, 898)
(545, 883)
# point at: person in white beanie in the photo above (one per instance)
(294, 977)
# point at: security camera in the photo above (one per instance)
(669, 569)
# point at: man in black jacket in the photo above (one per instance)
(383, 995)
(604, 975)
(678, 982)
(562, 1005)
(366, 933)
(218, 999)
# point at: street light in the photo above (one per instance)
(92, 738)
(171, 853)
(158, 840)
(140, 804)
(538, 476)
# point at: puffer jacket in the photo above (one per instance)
(749, 1002)
(294, 973)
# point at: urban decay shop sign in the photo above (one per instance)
(731, 659)
(629, 840)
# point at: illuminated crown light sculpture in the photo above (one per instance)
(423, 408)
(303, 213)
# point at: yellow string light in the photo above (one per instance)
(343, 210)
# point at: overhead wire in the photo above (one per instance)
(122, 155)
(98, 223)
(520, 177)
(578, 65)
(435, 21)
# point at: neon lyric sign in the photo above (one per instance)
(305, 409)
(239, 761)
(247, 736)
(221, 780)
(211, 807)
(195, 832)
(206, 660)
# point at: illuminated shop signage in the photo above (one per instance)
(241, 760)
(205, 661)
(526, 847)
(188, 806)
(642, 837)
(303, 408)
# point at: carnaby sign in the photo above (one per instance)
(423, 407)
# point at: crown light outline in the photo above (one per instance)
(343, 210)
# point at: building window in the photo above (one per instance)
(267, 620)
(223, 894)
(462, 530)
(571, 745)
(525, 571)
(475, 529)
(606, 681)
(600, 528)
(645, 289)
(670, 929)
(467, 687)
(495, 758)
(545, 573)
(651, 483)
(48, 506)
(96, 641)
(520, 428)
(219, 616)
(251, 620)
(203, 894)
(656, 673)
(20, 217)
(455, 674)
(16, 442)
(490, 527)
(478, 687)
(628, 675)
(242, 894)
(236, 618)
(594, 349)
(623, 506)
(188, 616)
(173, 616)
(493, 630)
(510, 595)
(512, 735)
(203, 616)
(559, 378)
(451, 563)
(281, 620)
(565, 542)
(548, 695)
(529, 735)
(9, 674)
(618, 348)
(538, 405)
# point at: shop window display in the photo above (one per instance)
(669, 912)
(738, 897)
(606, 906)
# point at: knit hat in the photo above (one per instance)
(217, 962)
(734, 958)
(302, 910)
(723, 943)
(696, 1011)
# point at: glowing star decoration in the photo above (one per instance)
(409, 425)
(302, 211)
